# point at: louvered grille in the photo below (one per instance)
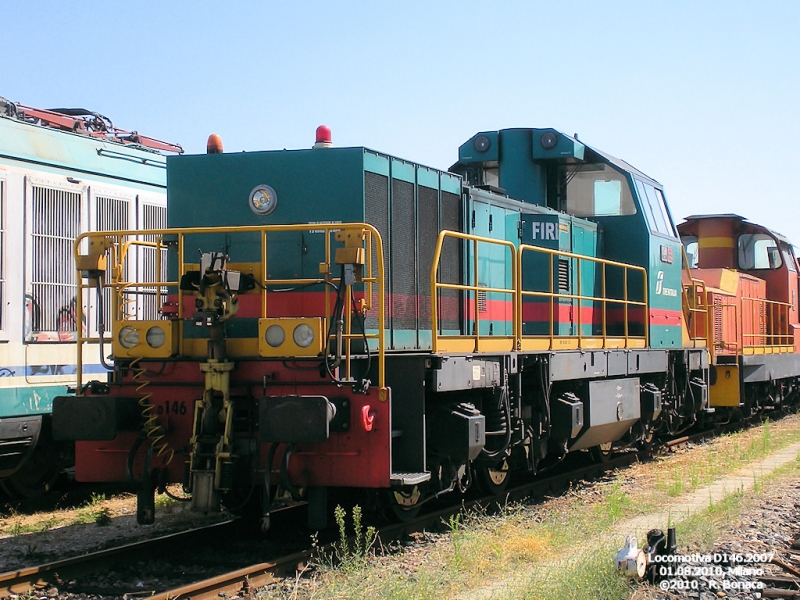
(153, 217)
(404, 280)
(376, 212)
(2, 251)
(55, 223)
(112, 213)
(450, 264)
(563, 275)
(717, 321)
(482, 302)
(428, 200)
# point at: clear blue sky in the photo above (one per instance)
(700, 95)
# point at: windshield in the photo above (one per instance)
(758, 251)
(596, 190)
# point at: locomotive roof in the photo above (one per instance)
(625, 166)
(25, 142)
(742, 220)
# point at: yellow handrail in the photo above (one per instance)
(775, 338)
(723, 345)
(116, 244)
(691, 305)
(476, 289)
(477, 342)
(603, 299)
(774, 316)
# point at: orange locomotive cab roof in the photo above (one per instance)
(745, 226)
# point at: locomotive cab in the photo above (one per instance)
(730, 247)
(751, 280)
(547, 168)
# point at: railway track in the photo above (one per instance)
(242, 580)
(27, 579)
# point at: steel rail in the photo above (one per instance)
(25, 579)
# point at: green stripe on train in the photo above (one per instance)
(29, 400)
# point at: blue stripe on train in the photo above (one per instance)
(49, 370)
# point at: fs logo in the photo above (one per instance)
(544, 231)
(664, 291)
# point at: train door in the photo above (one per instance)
(494, 309)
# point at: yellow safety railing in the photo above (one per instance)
(580, 340)
(759, 327)
(107, 252)
(695, 307)
(721, 343)
(475, 342)
(478, 342)
(768, 320)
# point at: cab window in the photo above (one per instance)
(788, 256)
(758, 251)
(655, 208)
(596, 190)
(690, 246)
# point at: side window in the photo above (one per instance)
(789, 257)
(758, 251)
(662, 204)
(655, 208)
(690, 246)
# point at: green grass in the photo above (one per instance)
(560, 549)
(93, 511)
(579, 576)
(350, 554)
(616, 505)
(163, 501)
(732, 451)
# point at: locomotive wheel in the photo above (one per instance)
(601, 453)
(405, 502)
(37, 476)
(493, 479)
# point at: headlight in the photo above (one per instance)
(548, 140)
(155, 337)
(303, 335)
(128, 337)
(263, 199)
(275, 335)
